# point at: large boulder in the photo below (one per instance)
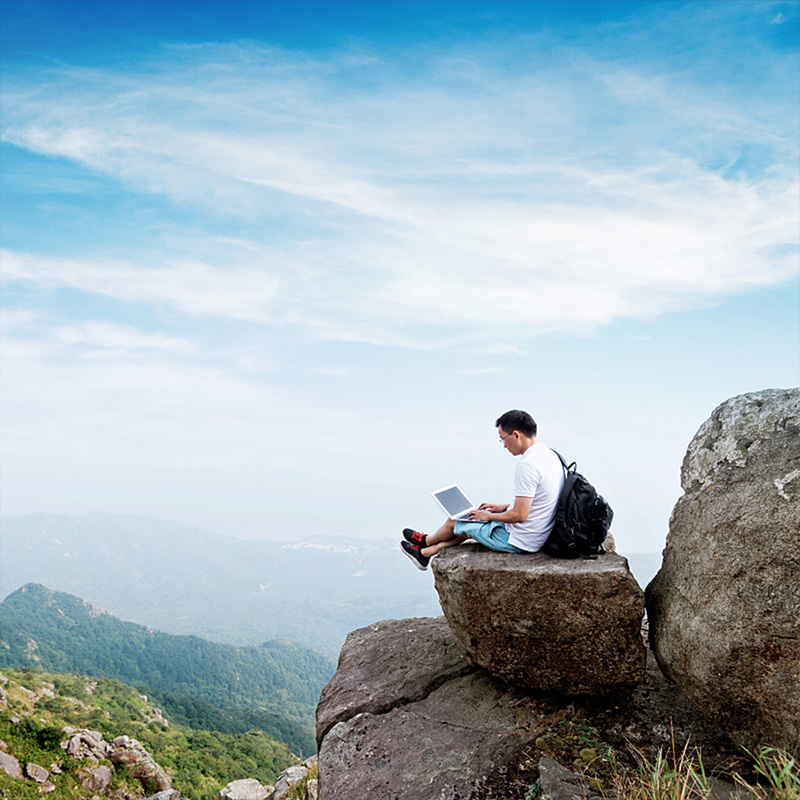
(96, 780)
(141, 764)
(408, 717)
(544, 623)
(724, 609)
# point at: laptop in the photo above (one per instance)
(455, 503)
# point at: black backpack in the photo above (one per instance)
(582, 518)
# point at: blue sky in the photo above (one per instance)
(274, 269)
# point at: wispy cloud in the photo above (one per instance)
(114, 339)
(459, 198)
(192, 287)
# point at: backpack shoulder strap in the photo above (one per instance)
(568, 467)
(569, 480)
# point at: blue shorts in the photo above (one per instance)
(490, 534)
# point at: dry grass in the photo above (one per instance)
(680, 775)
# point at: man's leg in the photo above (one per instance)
(444, 537)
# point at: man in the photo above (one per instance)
(519, 528)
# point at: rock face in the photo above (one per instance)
(549, 624)
(408, 717)
(399, 661)
(724, 609)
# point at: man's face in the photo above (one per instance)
(511, 441)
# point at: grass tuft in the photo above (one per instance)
(779, 773)
(677, 774)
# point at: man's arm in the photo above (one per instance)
(517, 513)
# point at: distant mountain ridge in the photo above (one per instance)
(185, 581)
(58, 632)
(181, 580)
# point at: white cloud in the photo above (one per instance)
(192, 287)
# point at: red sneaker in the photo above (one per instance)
(415, 537)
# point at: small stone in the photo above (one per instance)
(10, 765)
(47, 787)
(244, 789)
(167, 794)
(36, 773)
(288, 779)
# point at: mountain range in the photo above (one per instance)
(274, 687)
(185, 581)
(182, 580)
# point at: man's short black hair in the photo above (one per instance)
(516, 420)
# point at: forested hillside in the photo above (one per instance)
(35, 706)
(274, 687)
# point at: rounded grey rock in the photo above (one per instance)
(724, 608)
(244, 789)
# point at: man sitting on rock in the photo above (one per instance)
(521, 528)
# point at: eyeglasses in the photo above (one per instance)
(503, 438)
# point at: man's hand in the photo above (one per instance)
(493, 509)
(481, 513)
(518, 513)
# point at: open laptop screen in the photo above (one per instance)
(453, 500)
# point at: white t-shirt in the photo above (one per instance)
(540, 475)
